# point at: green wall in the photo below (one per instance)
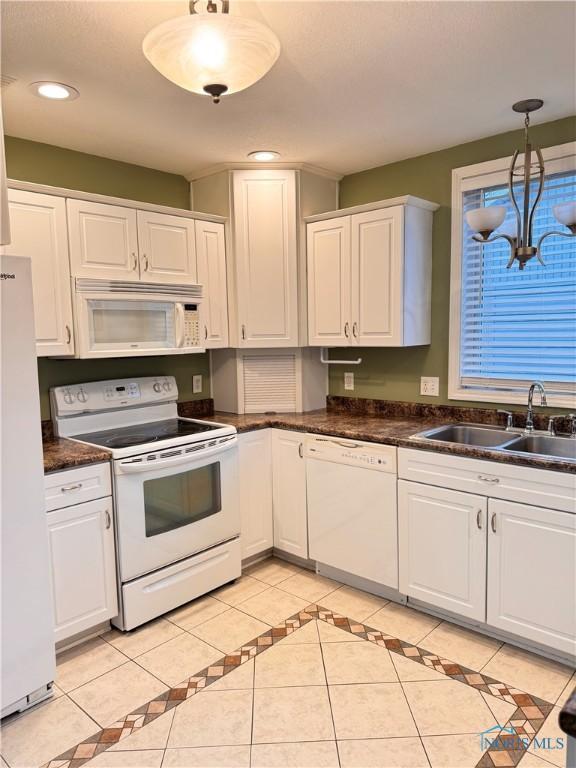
(394, 374)
(46, 164)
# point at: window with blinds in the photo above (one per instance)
(519, 326)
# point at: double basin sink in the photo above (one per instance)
(537, 444)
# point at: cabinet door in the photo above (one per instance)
(289, 493)
(167, 248)
(329, 265)
(38, 227)
(265, 243)
(255, 471)
(442, 548)
(83, 566)
(103, 241)
(377, 277)
(211, 254)
(532, 573)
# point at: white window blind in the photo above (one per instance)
(519, 326)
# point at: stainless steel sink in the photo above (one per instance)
(467, 434)
(544, 445)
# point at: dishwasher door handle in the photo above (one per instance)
(337, 442)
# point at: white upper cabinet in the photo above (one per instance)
(167, 248)
(532, 573)
(103, 241)
(211, 256)
(329, 282)
(38, 229)
(369, 275)
(266, 258)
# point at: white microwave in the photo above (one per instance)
(122, 319)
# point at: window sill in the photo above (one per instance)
(501, 396)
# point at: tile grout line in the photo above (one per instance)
(329, 699)
(538, 709)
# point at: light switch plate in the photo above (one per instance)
(349, 381)
(197, 384)
(430, 385)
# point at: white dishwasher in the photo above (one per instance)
(352, 507)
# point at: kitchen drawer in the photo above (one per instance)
(539, 487)
(74, 486)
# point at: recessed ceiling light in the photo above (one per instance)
(56, 91)
(264, 155)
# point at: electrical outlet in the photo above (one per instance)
(197, 384)
(429, 385)
(349, 381)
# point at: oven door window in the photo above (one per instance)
(182, 499)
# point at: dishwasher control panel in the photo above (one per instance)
(352, 453)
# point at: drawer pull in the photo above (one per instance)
(108, 520)
(491, 480)
(67, 488)
(479, 519)
(301, 450)
(493, 522)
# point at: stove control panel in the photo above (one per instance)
(95, 396)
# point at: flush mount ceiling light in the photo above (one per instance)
(485, 220)
(212, 53)
(264, 155)
(55, 91)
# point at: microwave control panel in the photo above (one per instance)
(191, 325)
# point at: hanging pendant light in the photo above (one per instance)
(484, 221)
(212, 53)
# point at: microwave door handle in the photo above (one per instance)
(179, 325)
(187, 458)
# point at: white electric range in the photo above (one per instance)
(175, 490)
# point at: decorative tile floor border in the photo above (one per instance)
(507, 748)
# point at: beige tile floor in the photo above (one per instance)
(319, 698)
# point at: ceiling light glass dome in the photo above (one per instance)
(212, 53)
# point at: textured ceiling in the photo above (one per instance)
(358, 84)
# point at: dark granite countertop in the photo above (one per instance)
(389, 430)
(60, 453)
(567, 717)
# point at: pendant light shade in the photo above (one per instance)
(212, 53)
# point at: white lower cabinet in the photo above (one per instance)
(83, 567)
(532, 573)
(255, 472)
(289, 492)
(442, 548)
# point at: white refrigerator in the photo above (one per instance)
(27, 629)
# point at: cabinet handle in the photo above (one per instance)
(301, 450)
(145, 259)
(68, 335)
(491, 480)
(108, 520)
(67, 488)
(355, 330)
(493, 522)
(347, 330)
(479, 519)
(243, 331)
(135, 265)
(205, 332)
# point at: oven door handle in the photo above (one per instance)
(130, 466)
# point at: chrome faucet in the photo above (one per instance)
(537, 385)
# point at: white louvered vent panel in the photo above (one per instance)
(269, 383)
